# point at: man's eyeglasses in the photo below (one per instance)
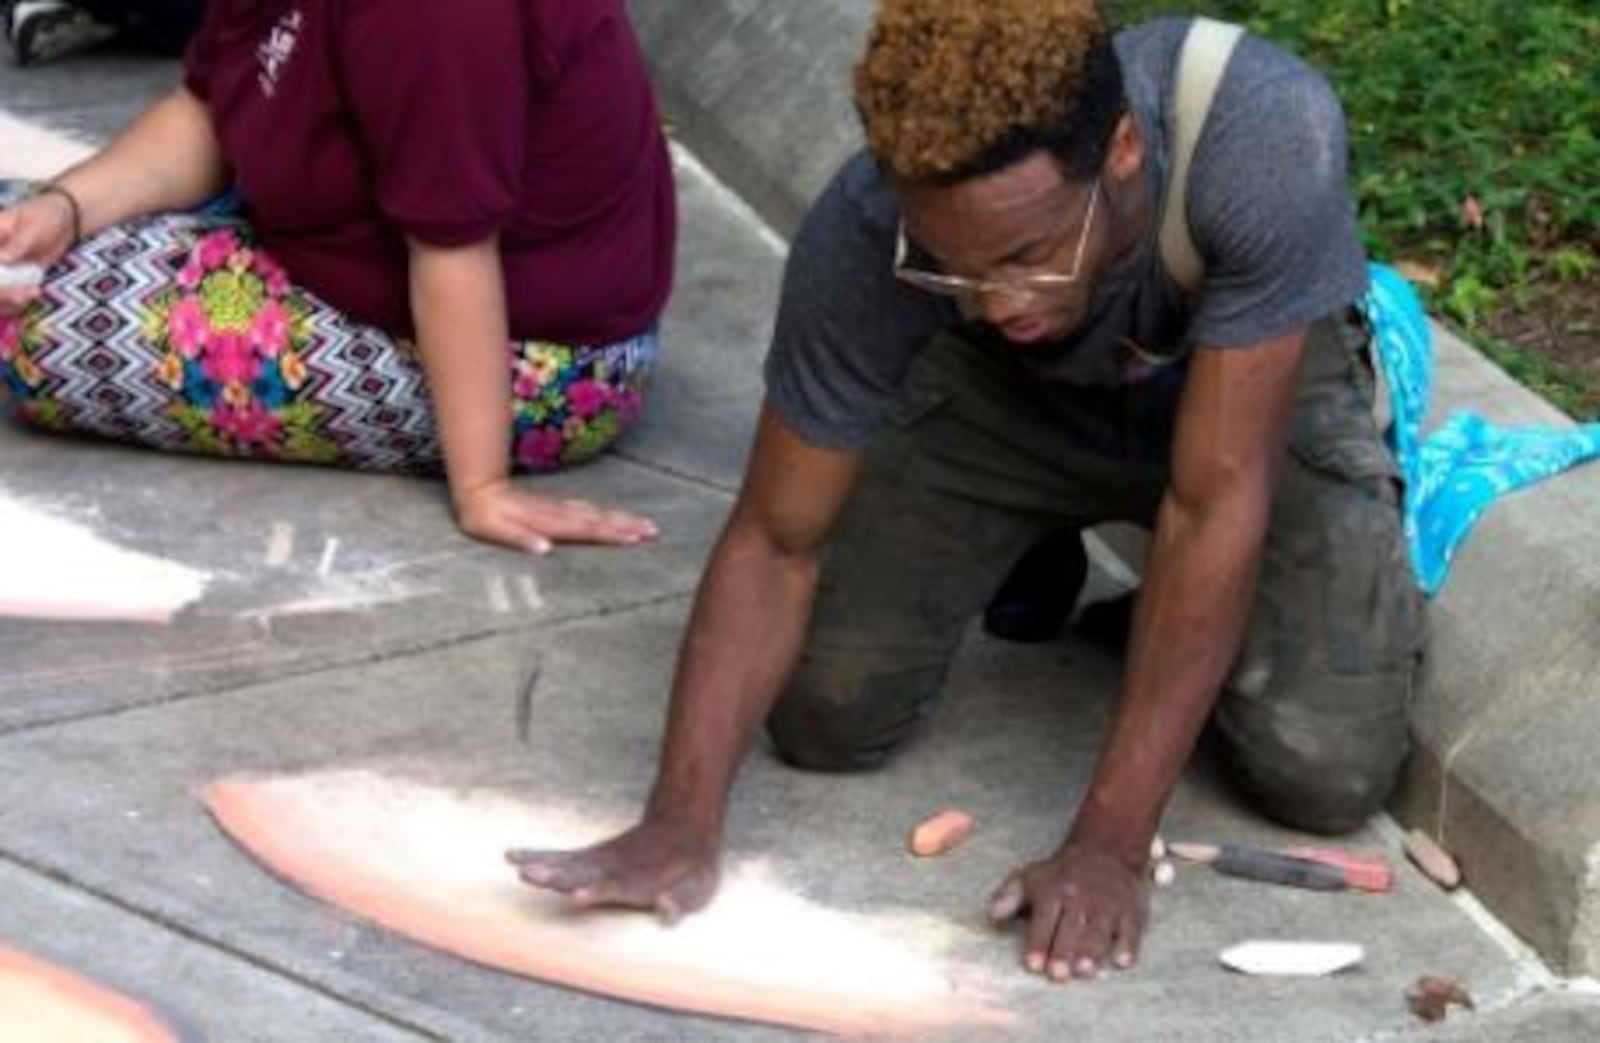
(1022, 287)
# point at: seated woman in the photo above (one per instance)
(451, 211)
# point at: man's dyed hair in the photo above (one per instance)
(952, 89)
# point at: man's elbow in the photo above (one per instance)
(755, 536)
(1231, 490)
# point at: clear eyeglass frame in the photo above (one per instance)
(1022, 287)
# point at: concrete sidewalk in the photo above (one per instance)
(406, 649)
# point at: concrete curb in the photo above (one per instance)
(1505, 725)
(1503, 773)
(760, 90)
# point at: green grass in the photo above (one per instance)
(1449, 100)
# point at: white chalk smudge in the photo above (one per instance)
(52, 568)
(28, 151)
(529, 586)
(280, 545)
(442, 879)
(330, 552)
(499, 597)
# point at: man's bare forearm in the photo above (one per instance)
(748, 624)
(1187, 632)
(168, 159)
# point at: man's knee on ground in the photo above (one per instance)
(854, 730)
(1330, 787)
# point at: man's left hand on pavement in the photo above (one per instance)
(1085, 908)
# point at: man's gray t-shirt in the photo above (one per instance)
(1269, 211)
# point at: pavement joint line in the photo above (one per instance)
(724, 194)
(213, 655)
(1532, 966)
(678, 474)
(290, 673)
(183, 696)
(1528, 963)
(193, 936)
(625, 608)
(1535, 979)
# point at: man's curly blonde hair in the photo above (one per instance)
(945, 83)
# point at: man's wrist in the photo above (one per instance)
(691, 819)
(1122, 835)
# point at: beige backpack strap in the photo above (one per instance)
(1201, 66)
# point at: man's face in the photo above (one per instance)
(1023, 244)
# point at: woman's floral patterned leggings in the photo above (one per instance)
(173, 332)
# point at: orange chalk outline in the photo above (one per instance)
(110, 1016)
(286, 824)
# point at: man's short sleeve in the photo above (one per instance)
(847, 330)
(439, 94)
(1270, 209)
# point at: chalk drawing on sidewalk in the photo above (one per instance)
(29, 151)
(55, 568)
(428, 863)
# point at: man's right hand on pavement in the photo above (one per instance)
(660, 869)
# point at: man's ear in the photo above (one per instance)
(1126, 154)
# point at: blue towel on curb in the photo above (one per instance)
(1455, 474)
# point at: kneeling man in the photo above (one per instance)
(981, 343)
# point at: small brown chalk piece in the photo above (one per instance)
(941, 834)
(1434, 861)
(1431, 998)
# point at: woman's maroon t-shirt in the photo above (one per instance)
(351, 124)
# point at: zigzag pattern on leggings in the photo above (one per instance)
(98, 364)
(175, 332)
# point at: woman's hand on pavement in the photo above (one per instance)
(36, 231)
(500, 512)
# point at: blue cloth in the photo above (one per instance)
(1455, 474)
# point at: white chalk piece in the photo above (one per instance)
(1165, 874)
(15, 276)
(1293, 959)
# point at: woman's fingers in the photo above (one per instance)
(584, 522)
(577, 521)
(514, 517)
(14, 299)
(32, 234)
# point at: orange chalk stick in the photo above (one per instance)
(941, 834)
(1432, 859)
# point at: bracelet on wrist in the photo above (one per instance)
(50, 188)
